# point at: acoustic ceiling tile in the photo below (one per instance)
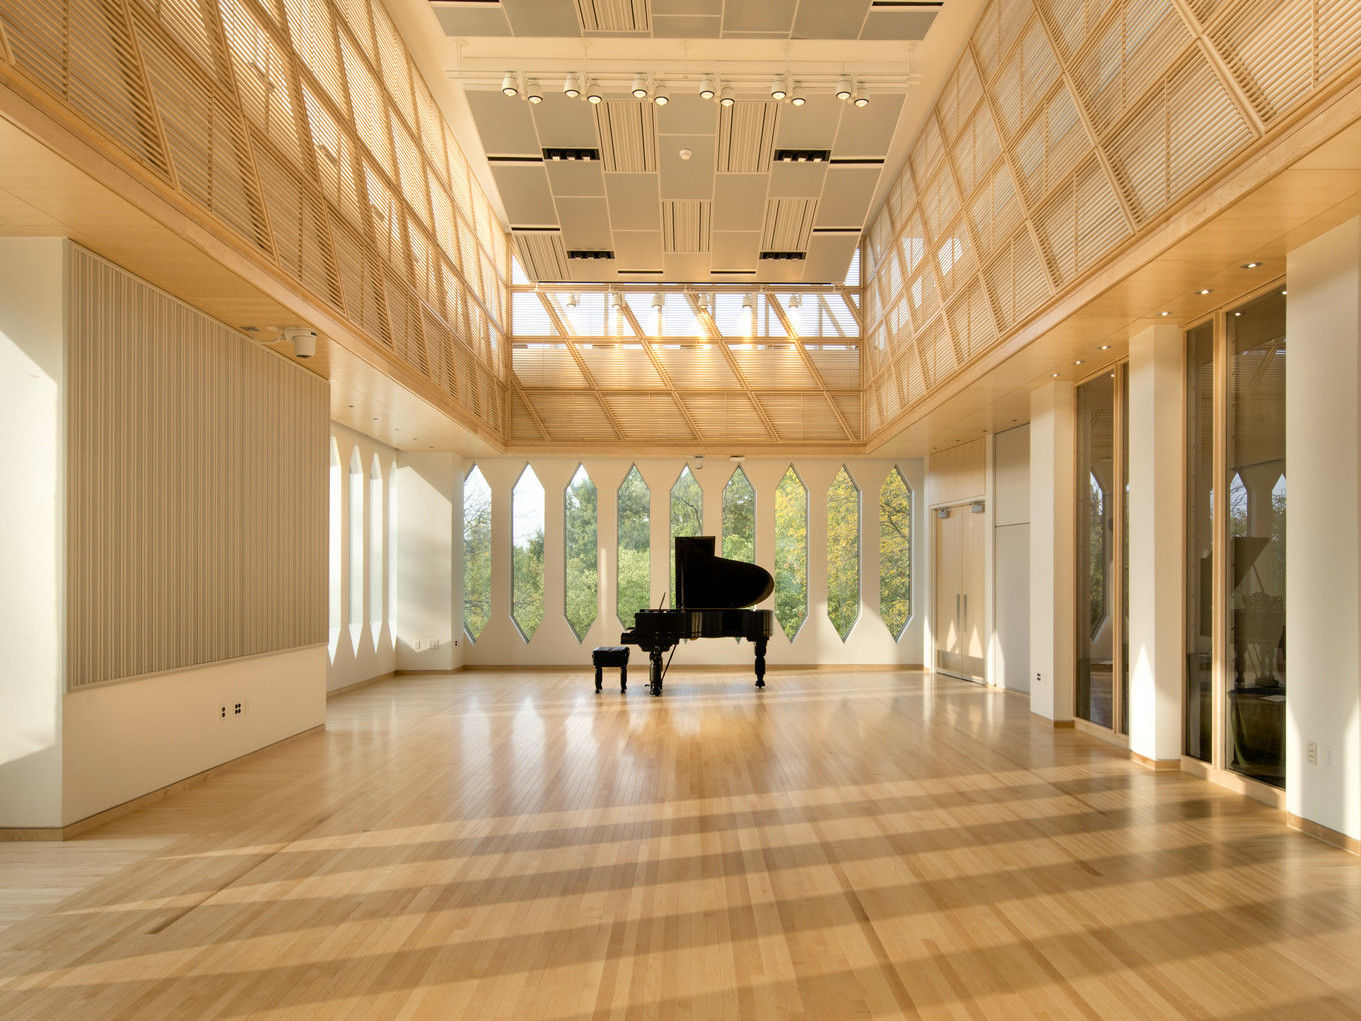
(525, 192)
(563, 122)
(506, 125)
(740, 200)
(846, 199)
(691, 178)
(634, 201)
(585, 223)
(542, 18)
(686, 27)
(799, 180)
(575, 177)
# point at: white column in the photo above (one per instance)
(1052, 554)
(1323, 550)
(1156, 567)
(32, 341)
(429, 561)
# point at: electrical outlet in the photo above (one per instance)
(434, 643)
(1311, 753)
(222, 712)
(416, 645)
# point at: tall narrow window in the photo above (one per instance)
(633, 570)
(687, 515)
(392, 556)
(356, 548)
(791, 553)
(581, 550)
(843, 553)
(1198, 709)
(739, 518)
(895, 553)
(1255, 658)
(526, 574)
(476, 553)
(1096, 629)
(377, 552)
(337, 551)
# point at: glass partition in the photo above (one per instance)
(1255, 552)
(1096, 481)
(1198, 709)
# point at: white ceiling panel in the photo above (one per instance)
(683, 178)
(542, 17)
(822, 20)
(706, 7)
(634, 201)
(901, 23)
(585, 223)
(868, 131)
(562, 121)
(686, 27)
(740, 200)
(575, 177)
(799, 180)
(484, 19)
(813, 125)
(845, 200)
(688, 115)
(506, 125)
(828, 257)
(736, 249)
(686, 266)
(758, 16)
(525, 192)
(639, 249)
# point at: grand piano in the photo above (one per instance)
(713, 600)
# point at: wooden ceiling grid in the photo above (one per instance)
(1061, 135)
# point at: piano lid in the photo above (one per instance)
(708, 581)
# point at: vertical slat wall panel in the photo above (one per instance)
(1104, 113)
(196, 517)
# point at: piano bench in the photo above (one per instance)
(612, 655)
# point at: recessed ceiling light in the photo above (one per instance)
(1251, 265)
(1105, 347)
(1164, 313)
(1238, 314)
(1078, 362)
(1285, 292)
(1205, 290)
(1055, 375)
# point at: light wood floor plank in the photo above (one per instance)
(497, 845)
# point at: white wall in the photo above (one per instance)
(31, 530)
(1157, 452)
(1323, 554)
(1052, 544)
(371, 651)
(162, 729)
(429, 517)
(1010, 644)
(816, 643)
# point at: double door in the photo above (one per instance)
(960, 578)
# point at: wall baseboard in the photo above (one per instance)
(75, 829)
(1323, 833)
(1158, 765)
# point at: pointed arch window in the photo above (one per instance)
(687, 515)
(739, 518)
(476, 553)
(791, 553)
(895, 553)
(633, 568)
(843, 553)
(526, 575)
(581, 553)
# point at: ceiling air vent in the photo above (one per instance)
(628, 136)
(746, 137)
(614, 15)
(802, 155)
(588, 253)
(933, 5)
(560, 153)
(784, 256)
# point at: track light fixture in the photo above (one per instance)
(778, 89)
(843, 88)
(571, 86)
(639, 87)
(726, 98)
(659, 94)
(796, 96)
(862, 95)
(508, 84)
(593, 92)
(533, 92)
(706, 87)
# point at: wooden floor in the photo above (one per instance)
(878, 844)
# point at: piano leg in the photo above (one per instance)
(761, 662)
(656, 657)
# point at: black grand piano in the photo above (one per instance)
(713, 600)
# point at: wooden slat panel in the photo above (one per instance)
(197, 505)
(957, 473)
